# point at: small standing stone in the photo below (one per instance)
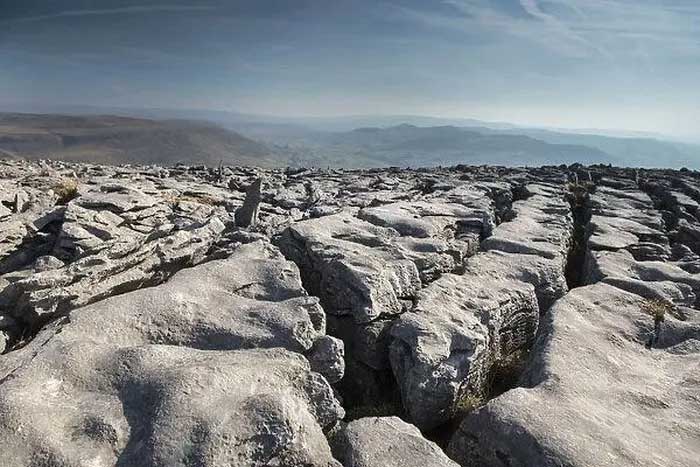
(20, 201)
(247, 215)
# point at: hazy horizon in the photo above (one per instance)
(577, 64)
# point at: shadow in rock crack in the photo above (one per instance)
(580, 201)
(140, 403)
(369, 387)
(505, 374)
(34, 245)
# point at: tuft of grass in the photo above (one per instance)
(66, 190)
(467, 403)
(579, 192)
(505, 373)
(657, 309)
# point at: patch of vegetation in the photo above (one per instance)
(505, 373)
(467, 403)
(66, 190)
(579, 193)
(657, 309)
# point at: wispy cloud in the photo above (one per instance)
(110, 11)
(560, 28)
(608, 29)
(487, 20)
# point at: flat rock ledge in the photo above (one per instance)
(208, 368)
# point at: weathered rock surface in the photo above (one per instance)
(436, 235)
(650, 279)
(112, 234)
(541, 225)
(355, 267)
(125, 266)
(544, 274)
(625, 219)
(612, 379)
(595, 395)
(532, 247)
(158, 376)
(197, 316)
(369, 264)
(460, 326)
(386, 442)
(80, 404)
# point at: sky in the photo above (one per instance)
(615, 64)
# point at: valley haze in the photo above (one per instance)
(168, 137)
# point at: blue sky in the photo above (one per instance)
(623, 64)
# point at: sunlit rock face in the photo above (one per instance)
(473, 316)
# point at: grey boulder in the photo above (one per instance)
(353, 266)
(386, 442)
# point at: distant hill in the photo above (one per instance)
(444, 145)
(118, 140)
(206, 137)
(634, 151)
(110, 139)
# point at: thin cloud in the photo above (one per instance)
(481, 15)
(608, 29)
(532, 8)
(110, 11)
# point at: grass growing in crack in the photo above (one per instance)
(467, 403)
(505, 373)
(657, 309)
(66, 190)
(578, 193)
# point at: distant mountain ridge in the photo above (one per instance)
(444, 145)
(631, 151)
(208, 137)
(117, 140)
